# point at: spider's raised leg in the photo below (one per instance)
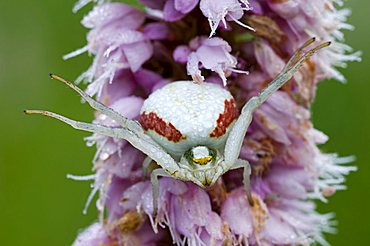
(286, 74)
(121, 120)
(237, 133)
(297, 54)
(139, 140)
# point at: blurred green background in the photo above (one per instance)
(39, 206)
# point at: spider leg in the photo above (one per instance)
(284, 76)
(139, 140)
(246, 177)
(146, 165)
(297, 54)
(88, 127)
(123, 121)
(155, 187)
(237, 133)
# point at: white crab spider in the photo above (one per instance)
(187, 128)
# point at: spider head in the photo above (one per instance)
(201, 163)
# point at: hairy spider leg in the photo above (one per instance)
(237, 133)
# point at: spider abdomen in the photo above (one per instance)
(185, 114)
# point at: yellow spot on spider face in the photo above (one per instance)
(202, 161)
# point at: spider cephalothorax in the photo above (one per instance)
(191, 129)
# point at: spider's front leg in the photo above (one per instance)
(237, 133)
(123, 121)
(130, 131)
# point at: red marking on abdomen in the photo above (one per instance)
(230, 113)
(153, 122)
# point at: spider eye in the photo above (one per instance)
(200, 155)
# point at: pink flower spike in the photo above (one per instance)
(139, 50)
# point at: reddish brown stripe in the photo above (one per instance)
(230, 113)
(153, 122)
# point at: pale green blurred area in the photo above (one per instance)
(39, 206)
